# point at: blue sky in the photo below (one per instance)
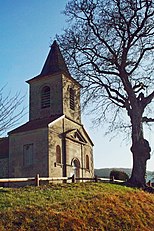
(27, 28)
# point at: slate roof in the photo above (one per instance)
(35, 124)
(4, 147)
(54, 64)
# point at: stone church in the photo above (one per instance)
(53, 143)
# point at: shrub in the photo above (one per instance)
(119, 175)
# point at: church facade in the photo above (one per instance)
(53, 143)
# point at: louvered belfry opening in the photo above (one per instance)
(45, 97)
(72, 103)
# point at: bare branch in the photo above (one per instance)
(147, 100)
(140, 58)
(11, 110)
(147, 120)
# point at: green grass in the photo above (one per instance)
(81, 206)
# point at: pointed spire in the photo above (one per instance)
(54, 62)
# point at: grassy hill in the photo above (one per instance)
(80, 206)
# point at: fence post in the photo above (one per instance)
(149, 184)
(73, 179)
(96, 178)
(37, 180)
(112, 179)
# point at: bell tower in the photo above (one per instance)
(54, 92)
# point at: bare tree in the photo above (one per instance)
(11, 110)
(109, 46)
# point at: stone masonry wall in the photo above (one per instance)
(39, 139)
(74, 150)
(4, 168)
(54, 82)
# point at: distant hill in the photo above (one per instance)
(105, 172)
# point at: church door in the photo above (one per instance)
(76, 167)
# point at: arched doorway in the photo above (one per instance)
(76, 167)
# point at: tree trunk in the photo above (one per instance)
(140, 149)
(141, 153)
